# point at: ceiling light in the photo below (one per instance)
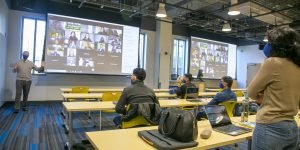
(233, 11)
(226, 27)
(265, 39)
(161, 12)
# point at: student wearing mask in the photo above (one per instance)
(182, 89)
(23, 69)
(137, 92)
(276, 87)
(226, 93)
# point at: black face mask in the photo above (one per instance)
(25, 57)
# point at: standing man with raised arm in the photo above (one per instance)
(23, 69)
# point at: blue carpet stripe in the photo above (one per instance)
(3, 136)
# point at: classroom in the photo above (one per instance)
(149, 74)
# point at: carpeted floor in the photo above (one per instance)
(40, 128)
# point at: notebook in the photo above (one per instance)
(220, 121)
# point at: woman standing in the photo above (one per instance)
(276, 87)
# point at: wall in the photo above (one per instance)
(3, 47)
(46, 87)
(245, 55)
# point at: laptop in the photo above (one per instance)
(192, 93)
(220, 121)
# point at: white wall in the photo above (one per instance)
(246, 55)
(3, 47)
(46, 87)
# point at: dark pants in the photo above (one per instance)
(22, 85)
(117, 120)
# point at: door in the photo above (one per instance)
(252, 69)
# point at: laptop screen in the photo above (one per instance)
(217, 115)
(192, 93)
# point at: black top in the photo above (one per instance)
(136, 93)
(181, 91)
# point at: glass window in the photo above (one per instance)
(33, 37)
(142, 51)
(28, 36)
(179, 57)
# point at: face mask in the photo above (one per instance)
(267, 50)
(25, 57)
(221, 85)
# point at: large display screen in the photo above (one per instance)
(75, 45)
(215, 59)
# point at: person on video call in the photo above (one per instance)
(23, 69)
(137, 92)
(86, 38)
(182, 89)
(72, 39)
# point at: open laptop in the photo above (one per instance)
(220, 121)
(192, 94)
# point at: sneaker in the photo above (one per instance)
(16, 111)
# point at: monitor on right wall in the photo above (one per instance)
(216, 59)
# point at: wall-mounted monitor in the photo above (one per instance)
(215, 59)
(76, 45)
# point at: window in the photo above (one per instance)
(33, 39)
(179, 57)
(142, 51)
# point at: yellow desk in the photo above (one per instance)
(217, 90)
(67, 96)
(98, 96)
(71, 107)
(165, 95)
(205, 94)
(100, 90)
(103, 139)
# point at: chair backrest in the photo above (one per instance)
(229, 106)
(191, 93)
(80, 89)
(111, 96)
(137, 121)
(239, 93)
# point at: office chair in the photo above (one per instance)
(137, 121)
(229, 106)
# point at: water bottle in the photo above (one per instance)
(245, 111)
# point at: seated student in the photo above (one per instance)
(225, 95)
(182, 89)
(137, 92)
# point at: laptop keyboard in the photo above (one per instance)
(230, 128)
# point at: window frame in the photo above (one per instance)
(34, 42)
(142, 62)
(185, 54)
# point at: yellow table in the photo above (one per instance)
(165, 95)
(67, 96)
(104, 139)
(71, 107)
(98, 96)
(217, 90)
(205, 94)
(101, 90)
